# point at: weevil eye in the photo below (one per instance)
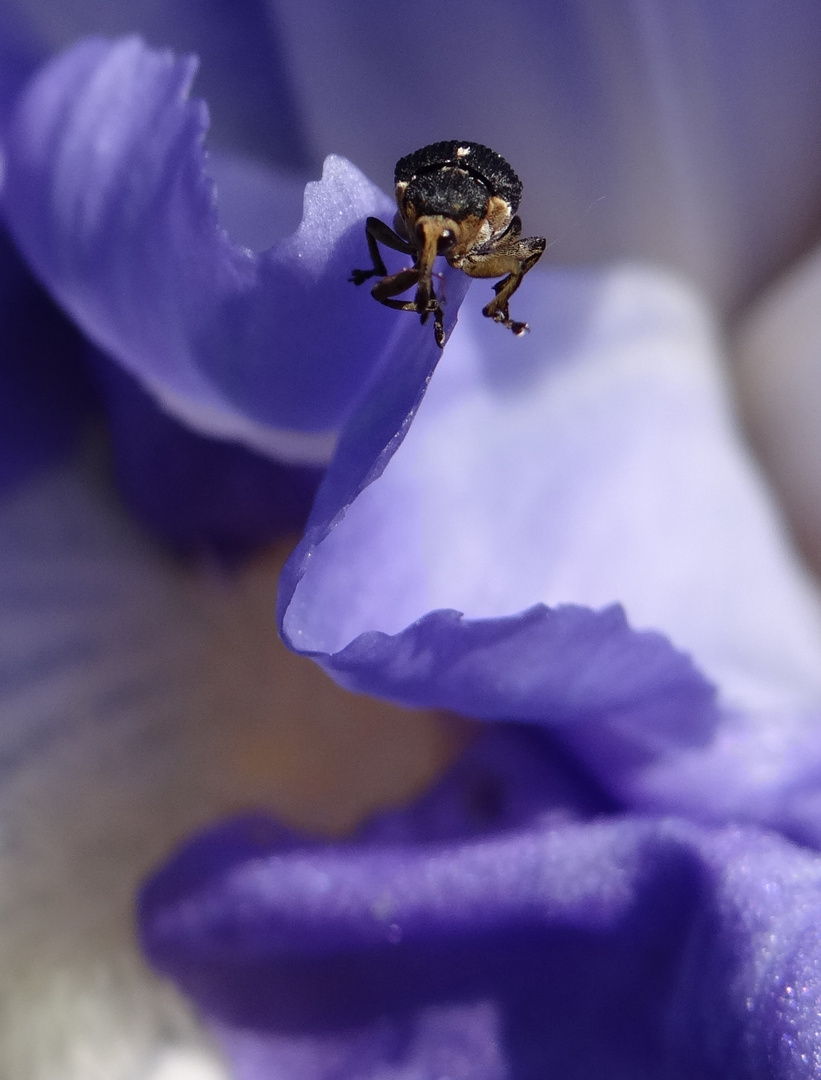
(447, 238)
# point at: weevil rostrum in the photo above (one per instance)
(459, 200)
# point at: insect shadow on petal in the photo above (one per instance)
(459, 200)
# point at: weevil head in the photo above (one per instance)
(463, 193)
(459, 200)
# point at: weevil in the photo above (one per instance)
(456, 199)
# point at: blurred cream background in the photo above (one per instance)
(142, 699)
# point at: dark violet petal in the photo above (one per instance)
(543, 944)
(595, 462)
(198, 494)
(107, 198)
(747, 1000)
(44, 395)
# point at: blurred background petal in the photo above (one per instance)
(679, 133)
(778, 372)
(243, 76)
(19, 55)
(201, 496)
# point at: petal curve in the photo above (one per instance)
(107, 198)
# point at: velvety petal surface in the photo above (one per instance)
(680, 133)
(595, 462)
(107, 198)
(499, 944)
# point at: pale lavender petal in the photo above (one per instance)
(595, 462)
(107, 198)
(679, 133)
(763, 765)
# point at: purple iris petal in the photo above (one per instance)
(107, 198)
(594, 462)
(498, 944)
(628, 696)
(44, 395)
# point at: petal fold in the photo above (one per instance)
(631, 695)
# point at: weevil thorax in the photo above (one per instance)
(454, 197)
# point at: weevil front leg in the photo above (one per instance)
(392, 286)
(378, 232)
(512, 256)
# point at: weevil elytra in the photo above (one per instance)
(459, 200)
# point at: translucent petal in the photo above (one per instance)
(107, 198)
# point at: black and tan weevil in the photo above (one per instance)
(459, 200)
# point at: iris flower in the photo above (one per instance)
(564, 537)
